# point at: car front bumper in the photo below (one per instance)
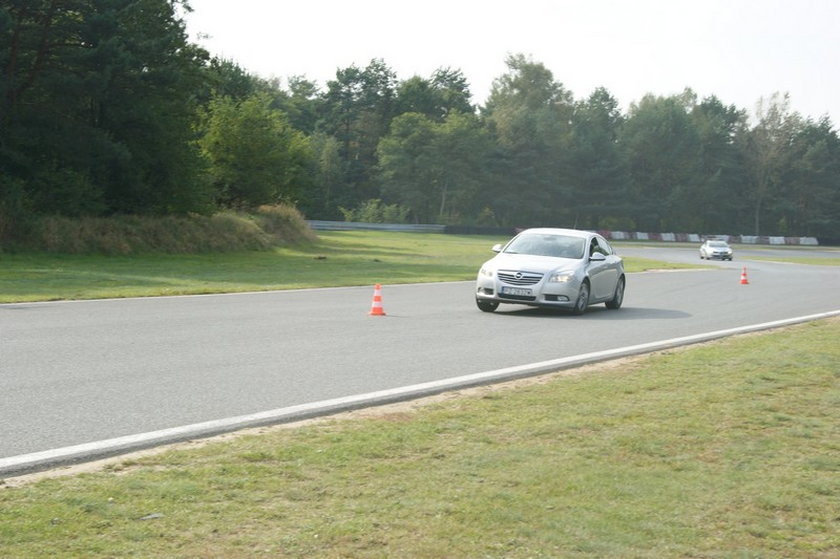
(543, 294)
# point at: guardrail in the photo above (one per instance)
(354, 225)
(611, 235)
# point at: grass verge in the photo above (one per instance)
(724, 450)
(338, 258)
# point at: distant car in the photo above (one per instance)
(715, 249)
(552, 268)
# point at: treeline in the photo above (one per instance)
(106, 108)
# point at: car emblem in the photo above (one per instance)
(518, 275)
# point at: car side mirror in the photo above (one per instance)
(597, 257)
(497, 248)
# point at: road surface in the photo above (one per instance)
(79, 373)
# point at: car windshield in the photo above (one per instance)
(718, 244)
(559, 246)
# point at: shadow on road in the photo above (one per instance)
(595, 313)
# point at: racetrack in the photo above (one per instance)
(73, 373)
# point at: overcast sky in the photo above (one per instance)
(738, 50)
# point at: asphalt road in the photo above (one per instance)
(78, 373)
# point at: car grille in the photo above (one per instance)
(517, 297)
(519, 278)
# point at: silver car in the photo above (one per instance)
(553, 268)
(715, 248)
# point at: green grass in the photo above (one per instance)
(728, 450)
(337, 259)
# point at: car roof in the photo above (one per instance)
(558, 231)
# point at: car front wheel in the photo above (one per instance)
(487, 306)
(583, 300)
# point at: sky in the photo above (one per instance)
(740, 51)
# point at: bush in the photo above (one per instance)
(15, 220)
(616, 224)
(375, 211)
(223, 232)
(285, 224)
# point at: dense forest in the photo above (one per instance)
(106, 108)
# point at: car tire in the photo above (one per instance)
(618, 298)
(487, 306)
(582, 301)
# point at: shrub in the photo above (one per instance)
(222, 232)
(285, 224)
(375, 211)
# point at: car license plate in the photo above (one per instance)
(516, 291)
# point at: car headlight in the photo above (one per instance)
(486, 272)
(561, 277)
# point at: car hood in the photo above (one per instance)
(530, 263)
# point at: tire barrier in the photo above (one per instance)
(696, 238)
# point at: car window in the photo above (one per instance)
(558, 246)
(602, 246)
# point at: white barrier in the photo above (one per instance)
(612, 235)
(353, 225)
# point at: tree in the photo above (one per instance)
(328, 176)
(357, 110)
(226, 78)
(529, 115)
(98, 106)
(407, 164)
(597, 166)
(454, 91)
(416, 95)
(303, 104)
(664, 156)
(719, 198)
(810, 202)
(765, 149)
(462, 149)
(446, 92)
(434, 169)
(255, 156)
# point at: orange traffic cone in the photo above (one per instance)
(744, 276)
(376, 309)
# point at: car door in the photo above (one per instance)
(603, 273)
